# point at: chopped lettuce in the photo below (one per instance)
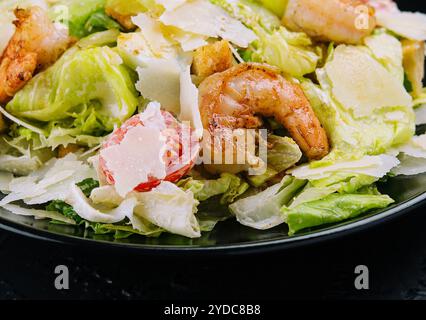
(374, 166)
(19, 156)
(100, 21)
(412, 156)
(292, 52)
(259, 180)
(283, 152)
(133, 7)
(85, 209)
(86, 93)
(82, 17)
(277, 7)
(50, 182)
(262, 211)
(229, 186)
(170, 208)
(331, 209)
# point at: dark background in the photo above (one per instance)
(395, 254)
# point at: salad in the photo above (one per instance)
(140, 117)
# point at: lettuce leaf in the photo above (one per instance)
(277, 7)
(292, 52)
(331, 209)
(133, 7)
(82, 17)
(262, 211)
(229, 186)
(170, 208)
(86, 93)
(283, 152)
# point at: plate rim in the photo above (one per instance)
(236, 248)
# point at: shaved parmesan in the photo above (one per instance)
(374, 166)
(141, 144)
(151, 31)
(22, 165)
(189, 102)
(410, 25)
(361, 84)
(159, 81)
(38, 214)
(50, 182)
(202, 17)
(190, 41)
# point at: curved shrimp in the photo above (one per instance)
(232, 99)
(36, 44)
(341, 21)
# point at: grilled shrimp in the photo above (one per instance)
(341, 21)
(233, 99)
(36, 44)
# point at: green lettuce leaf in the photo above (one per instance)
(85, 94)
(331, 209)
(276, 6)
(133, 7)
(283, 153)
(292, 52)
(229, 186)
(82, 17)
(262, 210)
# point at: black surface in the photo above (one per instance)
(395, 253)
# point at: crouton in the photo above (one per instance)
(212, 58)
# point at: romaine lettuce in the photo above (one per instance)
(292, 52)
(85, 94)
(82, 17)
(331, 209)
(276, 6)
(229, 186)
(133, 7)
(262, 211)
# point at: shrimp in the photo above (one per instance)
(233, 99)
(341, 21)
(36, 44)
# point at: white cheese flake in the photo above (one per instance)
(361, 84)
(204, 18)
(136, 158)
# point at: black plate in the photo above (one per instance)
(408, 192)
(229, 236)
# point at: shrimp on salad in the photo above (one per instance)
(341, 21)
(36, 44)
(233, 99)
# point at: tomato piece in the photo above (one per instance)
(181, 151)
